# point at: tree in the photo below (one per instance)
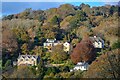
(84, 51)
(8, 17)
(40, 70)
(113, 9)
(38, 50)
(77, 74)
(80, 15)
(49, 31)
(74, 23)
(105, 66)
(66, 10)
(53, 70)
(55, 20)
(8, 65)
(9, 41)
(58, 55)
(82, 30)
(116, 45)
(21, 34)
(1, 68)
(65, 24)
(75, 41)
(24, 36)
(24, 48)
(85, 8)
(22, 72)
(25, 13)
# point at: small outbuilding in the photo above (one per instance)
(81, 66)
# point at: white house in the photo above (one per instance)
(66, 47)
(97, 42)
(27, 60)
(81, 66)
(50, 43)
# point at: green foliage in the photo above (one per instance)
(69, 63)
(27, 31)
(58, 55)
(21, 35)
(8, 64)
(66, 10)
(22, 72)
(38, 50)
(24, 48)
(8, 17)
(64, 69)
(0, 64)
(40, 70)
(53, 70)
(55, 20)
(75, 41)
(74, 23)
(113, 9)
(105, 66)
(116, 45)
(78, 74)
(80, 15)
(41, 18)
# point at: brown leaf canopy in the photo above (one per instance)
(84, 51)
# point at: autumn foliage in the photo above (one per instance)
(105, 66)
(84, 51)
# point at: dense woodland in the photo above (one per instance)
(26, 32)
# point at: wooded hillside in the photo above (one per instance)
(26, 32)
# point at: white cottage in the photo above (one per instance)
(50, 43)
(66, 47)
(27, 60)
(97, 42)
(81, 66)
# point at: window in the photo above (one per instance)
(21, 59)
(32, 59)
(50, 44)
(65, 48)
(26, 59)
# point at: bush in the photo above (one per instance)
(116, 45)
(53, 70)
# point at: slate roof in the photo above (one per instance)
(81, 64)
(96, 39)
(28, 56)
(51, 40)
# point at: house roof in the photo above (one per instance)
(81, 63)
(50, 40)
(96, 39)
(28, 56)
(66, 43)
